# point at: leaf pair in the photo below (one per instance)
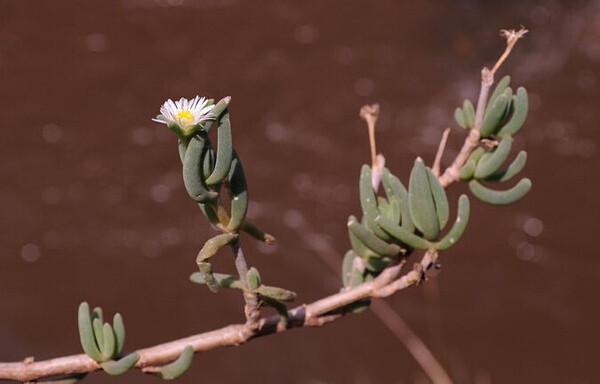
(103, 342)
(506, 113)
(429, 211)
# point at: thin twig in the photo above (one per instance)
(252, 306)
(438, 156)
(415, 276)
(370, 113)
(417, 348)
(511, 37)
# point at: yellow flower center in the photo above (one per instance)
(185, 117)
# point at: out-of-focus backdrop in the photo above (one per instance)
(92, 205)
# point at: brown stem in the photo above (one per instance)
(511, 37)
(370, 114)
(411, 341)
(252, 306)
(438, 156)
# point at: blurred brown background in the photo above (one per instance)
(93, 206)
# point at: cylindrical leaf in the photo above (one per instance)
(239, 195)
(439, 198)
(371, 241)
(513, 169)
(468, 113)
(276, 293)
(86, 332)
(224, 152)
(212, 245)
(402, 235)
(119, 328)
(178, 367)
(217, 111)
(462, 218)
(368, 202)
(494, 114)
(500, 197)
(109, 347)
(500, 88)
(459, 116)
(492, 161)
(192, 171)
(224, 280)
(115, 368)
(468, 170)
(420, 202)
(253, 278)
(257, 233)
(521, 108)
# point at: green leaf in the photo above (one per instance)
(239, 195)
(86, 332)
(108, 348)
(368, 238)
(177, 368)
(368, 202)
(193, 177)
(359, 247)
(257, 233)
(393, 187)
(494, 114)
(212, 245)
(253, 278)
(500, 88)
(459, 116)
(115, 368)
(276, 293)
(509, 196)
(224, 152)
(98, 334)
(492, 161)
(402, 235)
(205, 269)
(513, 169)
(217, 111)
(521, 108)
(224, 280)
(347, 265)
(462, 219)
(468, 170)
(468, 113)
(439, 198)
(421, 203)
(119, 328)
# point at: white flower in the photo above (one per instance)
(186, 114)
